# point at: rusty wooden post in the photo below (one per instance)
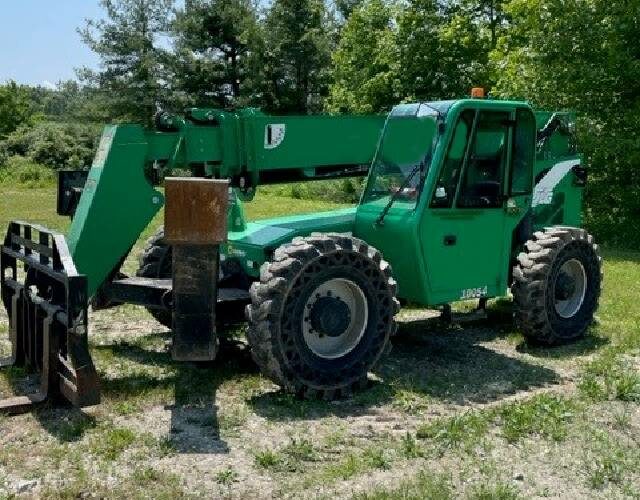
(195, 225)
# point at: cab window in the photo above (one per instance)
(485, 166)
(523, 153)
(401, 161)
(454, 160)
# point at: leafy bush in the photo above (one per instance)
(22, 171)
(338, 191)
(16, 107)
(55, 145)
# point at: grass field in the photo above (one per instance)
(462, 411)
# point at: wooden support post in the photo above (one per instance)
(195, 225)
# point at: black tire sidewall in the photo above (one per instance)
(317, 371)
(571, 328)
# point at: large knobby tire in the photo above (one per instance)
(321, 315)
(156, 262)
(556, 285)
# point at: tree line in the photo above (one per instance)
(363, 56)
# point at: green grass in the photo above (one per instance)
(226, 476)
(20, 171)
(544, 415)
(437, 486)
(345, 468)
(463, 430)
(425, 486)
(38, 205)
(300, 449)
(112, 442)
(434, 388)
(380, 457)
(609, 461)
(410, 447)
(233, 417)
(143, 483)
(493, 491)
(268, 459)
(75, 427)
(290, 458)
(611, 376)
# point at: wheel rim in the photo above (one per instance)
(335, 318)
(570, 288)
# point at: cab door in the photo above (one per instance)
(463, 227)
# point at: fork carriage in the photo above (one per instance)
(47, 313)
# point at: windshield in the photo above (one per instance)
(405, 147)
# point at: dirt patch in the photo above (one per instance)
(222, 429)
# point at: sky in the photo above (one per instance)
(39, 44)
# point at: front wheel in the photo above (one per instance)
(557, 285)
(322, 315)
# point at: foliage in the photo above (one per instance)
(420, 51)
(442, 55)
(133, 67)
(346, 190)
(578, 54)
(16, 107)
(365, 61)
(18, 170)
(296, 55)
(215, 43)
(55, 145)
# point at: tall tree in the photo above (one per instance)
(346, 7)
(488, 15)
(442, 52)
(214, 43)
(581, 55)
(133, 61)
(365, 61)
(297, 54)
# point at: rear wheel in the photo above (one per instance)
(322, 315)
(557, 285)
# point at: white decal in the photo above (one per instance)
(474, 293)
(104, 147)
(273, 135)
(543, 192)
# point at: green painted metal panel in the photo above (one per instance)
(255, 244)
(116, 205)
(275, 143)
(413, 236)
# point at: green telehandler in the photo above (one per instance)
(464, 199)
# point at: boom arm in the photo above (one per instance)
(248, 147)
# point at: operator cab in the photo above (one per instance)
(450, 180)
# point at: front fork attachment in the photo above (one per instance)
(47, 319)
